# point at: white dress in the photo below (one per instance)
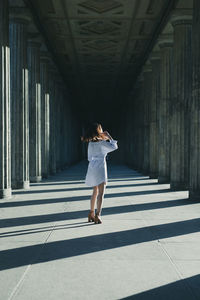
(97, 167)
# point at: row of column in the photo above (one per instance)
(164, 109)
(38, 132)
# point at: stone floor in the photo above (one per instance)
(148, 246)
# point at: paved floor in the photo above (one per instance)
(148, 246)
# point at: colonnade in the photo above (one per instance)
(164, 107)
(39, 134)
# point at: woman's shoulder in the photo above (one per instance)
(96, 142)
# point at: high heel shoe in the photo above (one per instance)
(91, 216)
(97, 219)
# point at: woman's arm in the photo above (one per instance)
(109, 143)
(106, 136)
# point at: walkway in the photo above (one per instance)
(148, 246)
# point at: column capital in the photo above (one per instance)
(154, 56)
(181, 18)
(165, 40)
(20, 15)
(52, 68)
(34, 40)
(147, 68)
(45, 56)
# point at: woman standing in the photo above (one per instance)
(100, 144)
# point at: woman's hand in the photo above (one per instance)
(106, 136)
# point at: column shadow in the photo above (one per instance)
(24, 192)
(61, 249)
(184, 289)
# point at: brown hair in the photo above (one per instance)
(92, 133)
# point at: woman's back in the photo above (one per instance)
(98, 150)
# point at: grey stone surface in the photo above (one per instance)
(52, 105)
(155, 98)
(194, 182)
(35, 110)
(45, 113)
(147, 73)
(182, 88)
(164, 112)
(19, 101)
(5, 141)
(147, 247)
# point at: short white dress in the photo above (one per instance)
(97, 167)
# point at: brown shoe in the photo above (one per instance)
(91, 216)
(97, 219)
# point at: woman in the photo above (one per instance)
(100, 143)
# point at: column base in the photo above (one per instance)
(177, 186)
(21, 185)
(6, 193)
(163, 179)
(26, 184)
(36, 179)
(194, 195)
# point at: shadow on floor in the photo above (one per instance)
(79, 198)
(172, 291)
(28, 220)
(40, 253)
(79, 188)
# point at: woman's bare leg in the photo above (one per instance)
(101, 188)
(93, 198)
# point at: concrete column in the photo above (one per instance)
(35, 110)
(182, 83)
(135, 128)
(52, 105)
(131, 130)
(166, 81)
(5, 155)
(45, 125)
(64, 137)
(147, 74)
(128, 124)
(194, 174)
(19, 101)
(139, 124)
(153, 111)
(58, 121)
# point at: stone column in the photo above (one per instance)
(135, 127)
(45, 125)
(182, 83)
(141, 123)
(138, 125)
(147, 74)
(52, 115)
(35, 110)
(131, 130)
(164, 137)
(57, 121)
(153, 111)
(128, 124)
(63, 131)
(194, 174)
(19, 101)
(5, 167)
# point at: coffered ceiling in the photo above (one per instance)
(99, 45)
